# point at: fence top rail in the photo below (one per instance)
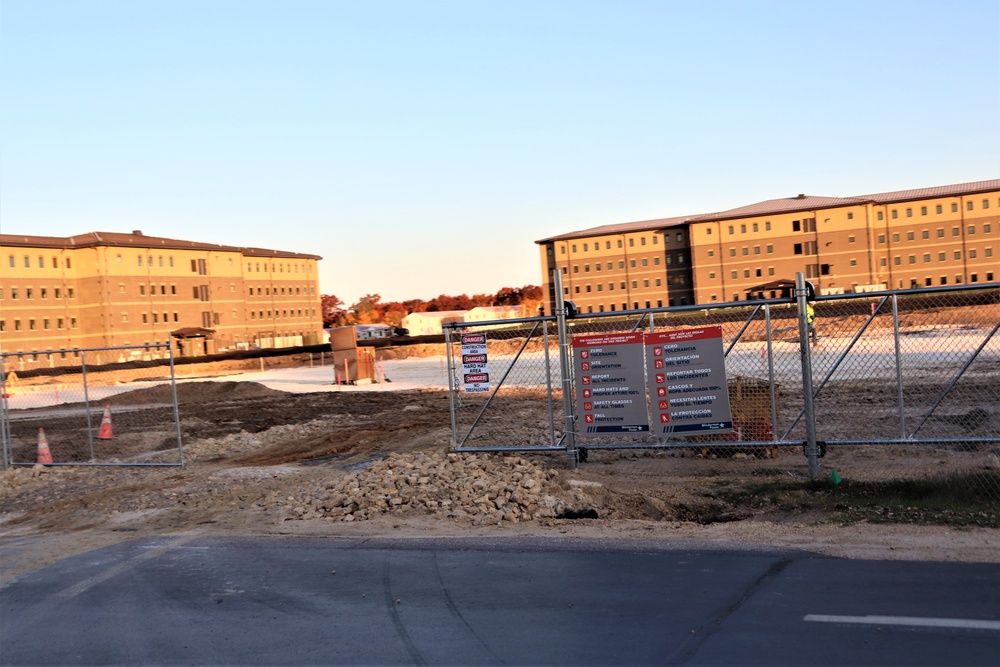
(918, 291)
(152, 346)
(458, 326)
(738, 305)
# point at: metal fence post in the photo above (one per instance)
(177, 412)
(86, 402)
(812, 449)
(6, 447)
(566, 366)
(548, 382)
(452, 386)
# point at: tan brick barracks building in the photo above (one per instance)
(948, 235)
(105, 289)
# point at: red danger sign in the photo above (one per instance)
(473, 358)
(474, 339)
(476, 377)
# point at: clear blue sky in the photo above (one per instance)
(422, 147)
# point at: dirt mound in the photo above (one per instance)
(196, 392)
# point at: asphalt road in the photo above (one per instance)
(194, 601)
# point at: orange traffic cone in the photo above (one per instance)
(44, 455)
(104, 433)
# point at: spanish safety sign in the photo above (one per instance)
(686, 372)
(475, 366)
(610, 387)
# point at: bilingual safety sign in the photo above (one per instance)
(686, 372)
(475, 369)
(610, 388)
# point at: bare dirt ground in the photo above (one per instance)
(265, 462)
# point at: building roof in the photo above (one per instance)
(929, 193)
(620, 228)
(772, 206)
(433, 314)
(137, 240)
(801, 202)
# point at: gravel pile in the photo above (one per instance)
(481, 488)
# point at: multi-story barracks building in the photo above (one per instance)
(106, 289)
(947, 235)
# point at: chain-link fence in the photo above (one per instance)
(107, 409)
(904, 385)
(519, 406)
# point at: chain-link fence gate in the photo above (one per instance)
(97, 406)
(894, 385)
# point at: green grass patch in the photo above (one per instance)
(956, 500)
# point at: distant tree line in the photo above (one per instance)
(371, 310)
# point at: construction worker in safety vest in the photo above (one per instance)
(811, 321)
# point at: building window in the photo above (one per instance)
(958, 254)
(971, 230)
(954, 207)
(72, 323)
(27, 260)
(879, 215)
(854, 262)
(895, 238)
(895, 214)
(745, 251)
(755, 227)
(631, 243)
(923, 210)
(645, 283)
(927, 257)
(732, 230)
(909, 236)
(732, 252)
(142, 290)
(586, 247)
(955, 231)
(656, 261)
(925, 234)
(734, 275)
(28, 293)
(881, 238)
(631, 263)
(912, 259)
(909, 213)
(645, 262)
(642, 240)
(743, 229)
(968, 207)
(940, 256)
(850, 216)
(937, 209)
(986, 203)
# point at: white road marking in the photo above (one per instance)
(963, 623)
(118, 568)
